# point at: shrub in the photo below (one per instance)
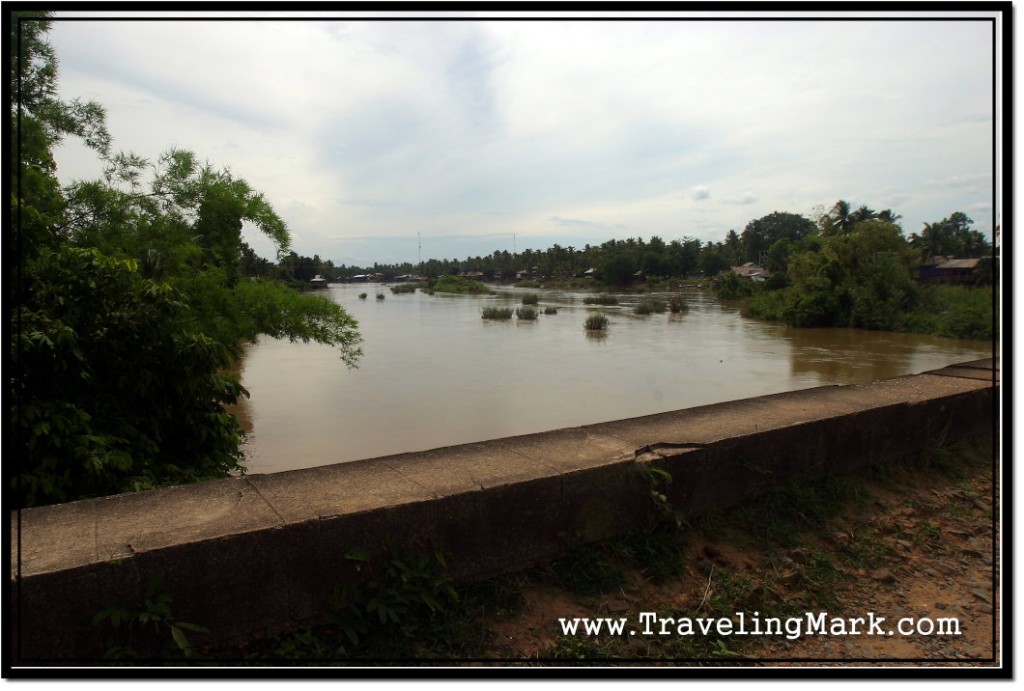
(403, 288)
(526, 313)
(603, 299)
(362, 296)
(497, 313)
(678, 304)
(380, 296)
(596, 322)
(531, 299)
(550, 310)
(650, 307)
(459, 285)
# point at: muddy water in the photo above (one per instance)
(435, 374)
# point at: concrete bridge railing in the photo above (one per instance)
(242, 555)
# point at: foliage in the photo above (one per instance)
(151, 631)
(601, 299)
(113, 381)
(731, 286)
(496, 312)
(652, 306)
(677, 304)
(596, 322)
(403, 288)
(458, 285)
(550, 310)
(531, 299)
(951, 237)
(762, 233)
(526, 313)
(954, 312)
(362, 296)
(616, 270)
(406, 588)
(131, 305)
(860, 278)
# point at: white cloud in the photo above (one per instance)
(700, 193)
(361, 129)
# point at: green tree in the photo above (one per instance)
(760, 234)
(129, 310)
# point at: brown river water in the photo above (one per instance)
(434, 373)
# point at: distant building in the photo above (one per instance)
(751, 271)
(941, 269)
(318, 281)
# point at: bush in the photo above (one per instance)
(404, 288)
(496, 313)
(678, 304)
(550, 310)
(362, 296)
(603, 299)
(596, 322)
(526, 313)
(531, 299)
(650, 307)
(380, 296)
(458, 285)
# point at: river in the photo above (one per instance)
(435, 374)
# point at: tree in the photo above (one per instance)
(616, 270)
(129, 309)
(760, 234)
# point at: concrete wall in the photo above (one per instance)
(242, 555)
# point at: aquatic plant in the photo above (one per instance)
(380, 296)
(459, 285)
(550, 310)
(650, 307)
(678, 304)
(603, 299)
(362, 296)
(526, 313)
(531, 299)
(596, 322)
(496, 313)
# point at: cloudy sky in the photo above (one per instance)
(482, 134)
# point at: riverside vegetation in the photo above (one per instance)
(132, 302)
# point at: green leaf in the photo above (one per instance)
(357, 554)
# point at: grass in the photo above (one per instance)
(404, 288)
(677, 304)
(496, 313)
(550, 310)
(602, 299)
(651, 306)
(459, 286)
(596, 322)
(526, 313)
(531, 299)
(362, 296)
(380, 296)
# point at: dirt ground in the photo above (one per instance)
(916, 541)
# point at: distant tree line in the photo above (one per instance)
(770, 241)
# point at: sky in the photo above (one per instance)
(389, 139)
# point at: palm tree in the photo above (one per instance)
(932, 241)
(862, 214)
(837, 220)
